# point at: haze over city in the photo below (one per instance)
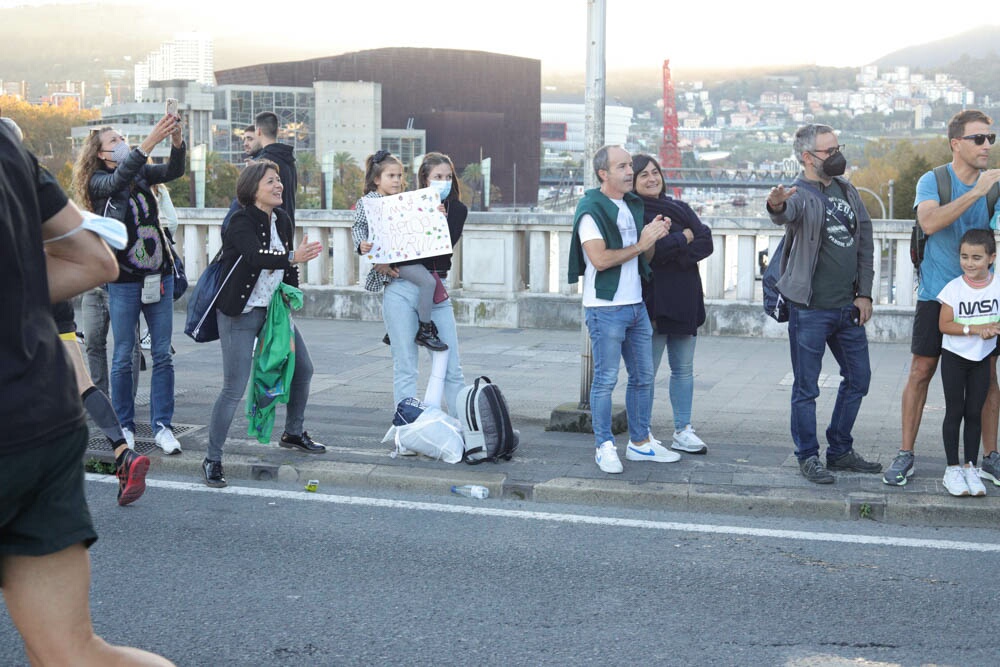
(730, 34)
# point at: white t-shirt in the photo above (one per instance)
(629, 284)
(268, 280)
(971, 306)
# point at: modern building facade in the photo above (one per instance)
(470, 104)
(189, 56)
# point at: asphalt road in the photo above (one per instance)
(271, 575)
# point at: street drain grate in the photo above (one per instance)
(144, 442)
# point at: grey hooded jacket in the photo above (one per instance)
(803, 217)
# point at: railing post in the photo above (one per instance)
(716, 287)
(746, 257)
(904, 274)
(538, 261)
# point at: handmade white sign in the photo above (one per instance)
(406, 226)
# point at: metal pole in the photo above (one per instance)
(892, 197)
(593, 133)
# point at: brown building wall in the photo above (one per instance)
(465, 100)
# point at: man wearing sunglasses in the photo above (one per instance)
(970, 138)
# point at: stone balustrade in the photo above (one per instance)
(509, 270)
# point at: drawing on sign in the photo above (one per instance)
(406, 226)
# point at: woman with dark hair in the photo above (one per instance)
(401, 298)
(674, 298)
(114, 180)
(256, 249)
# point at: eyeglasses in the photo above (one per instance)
(832, 151)
(980, 138)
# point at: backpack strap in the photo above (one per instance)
(837, 215)
(943, 179)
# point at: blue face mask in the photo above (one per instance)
(443, 188)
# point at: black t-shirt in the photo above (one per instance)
(837, 264)
(38, 396)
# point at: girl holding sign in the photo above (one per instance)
(402, 299)
(384, 177)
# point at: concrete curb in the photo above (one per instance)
(756, 501)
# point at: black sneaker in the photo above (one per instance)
(303, 442)
(385, 339)
(131, 470)
(213, 474)
(852, 462)
(900, 470)
(813, 470)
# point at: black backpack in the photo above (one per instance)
(918, 239)
(774, 303)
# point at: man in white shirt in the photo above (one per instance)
(611, 248)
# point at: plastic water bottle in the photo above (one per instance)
(471, 491)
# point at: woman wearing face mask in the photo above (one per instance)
(114, 180)
(674, 298)
(401, 301)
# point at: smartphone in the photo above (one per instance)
(856, 316)
(172, 106)
(151, 288)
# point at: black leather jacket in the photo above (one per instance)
(249, 237)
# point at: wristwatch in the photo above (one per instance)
(965, 330)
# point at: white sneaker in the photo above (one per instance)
(146, 343)
(687, 441)
(166, 441)
(129, 437)
(972, 480)
(650, 451)
(607, 458)
(954, 481)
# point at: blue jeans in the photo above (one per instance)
(399, 311)
(96, 321)
(809, 334)
(616, 333)
(124, 306)
(680, 354)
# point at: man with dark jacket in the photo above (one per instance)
(266, 131)
(827, 280)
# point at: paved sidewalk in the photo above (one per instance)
(742, 390)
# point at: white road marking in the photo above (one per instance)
(952, 545)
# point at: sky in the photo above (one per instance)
(724, 33)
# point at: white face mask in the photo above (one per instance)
(443, 187)
(120, 152)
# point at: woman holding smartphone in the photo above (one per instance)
(112, 179)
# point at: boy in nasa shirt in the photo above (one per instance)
(970, 313)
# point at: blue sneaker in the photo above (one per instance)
(899, 470)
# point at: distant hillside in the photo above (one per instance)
(977, 43)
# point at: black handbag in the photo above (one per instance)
(180, 278)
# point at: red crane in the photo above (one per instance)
(670, 154)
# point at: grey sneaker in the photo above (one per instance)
(899, 470)
(990, 468)
(852, 462)
(813, 470)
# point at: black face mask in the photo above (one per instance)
(835, 165)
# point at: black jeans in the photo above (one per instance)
(965, 385)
